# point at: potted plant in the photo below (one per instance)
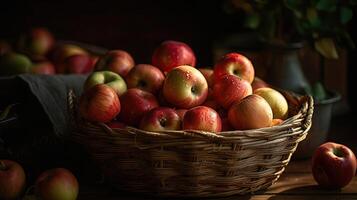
(285, 26)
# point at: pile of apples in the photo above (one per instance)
(172, 94)
(56, 183)
(37, 52)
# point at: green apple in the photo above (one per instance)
(14, 63)
(109, 78)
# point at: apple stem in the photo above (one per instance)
(2, 165)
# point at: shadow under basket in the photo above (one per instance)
(191, 163)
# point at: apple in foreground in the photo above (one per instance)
(185, 87)
(145, 77)
(12, 179)
(136, 103)
(109, 78)
(100, 103)
(202, 118)
(118, 61)
(235, 64)
(333, 165)
(171, 54)
(161, 119)
(43, 67)
(230, 88)
(252, 112)
(56, 184)
(276, 100)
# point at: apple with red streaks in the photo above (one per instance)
(161, 119)
(171, 54)
(234, 64)
(333, 165)
(252, 112)
(202, 118)
(43, 67)
(136, 103)
(145, 77)
(230, 88)
(118, 61)
(185, 87)
(99, 103)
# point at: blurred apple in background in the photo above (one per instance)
(234, 64)
(230, 88)
(14, 63)
(145, 77)
(12, 179)
(5, 47)
(185, 87)
(43, 67)
(276, 100)
(202, 118)
(76, 64)
(161, 119)
(118, 61)
(208, 74)
(333, 165)
(259, 83)
(252, 112)
(136, 103)
(56, 184)
(36, 43)
(109, 78)
(99, 103)
(63, 51)
(172, 54)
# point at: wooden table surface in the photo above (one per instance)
(296, 183)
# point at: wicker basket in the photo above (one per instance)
(195, 163)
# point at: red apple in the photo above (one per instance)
(109, 78)
(118, 61)
(230, 88)
(56, 184)
(61, 52)
(161, 119)
(252, 112)
(185, 87)
(333, 165)
(145, 77)
(171, 54)
(100, 103)
(276, 100)
(259, 83)
(234, 64)
(76, 64)
(36, 43)
(208, 74)
(12, 179)
(43, 67)
(202, 118)
(136, 103)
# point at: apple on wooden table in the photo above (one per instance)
(333, 165)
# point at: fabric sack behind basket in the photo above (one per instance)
(38, 135)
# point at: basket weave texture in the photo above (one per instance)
(191, 163)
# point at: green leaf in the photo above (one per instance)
(327, 5)
(345, 15)
(326, 47)
(319, 91)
